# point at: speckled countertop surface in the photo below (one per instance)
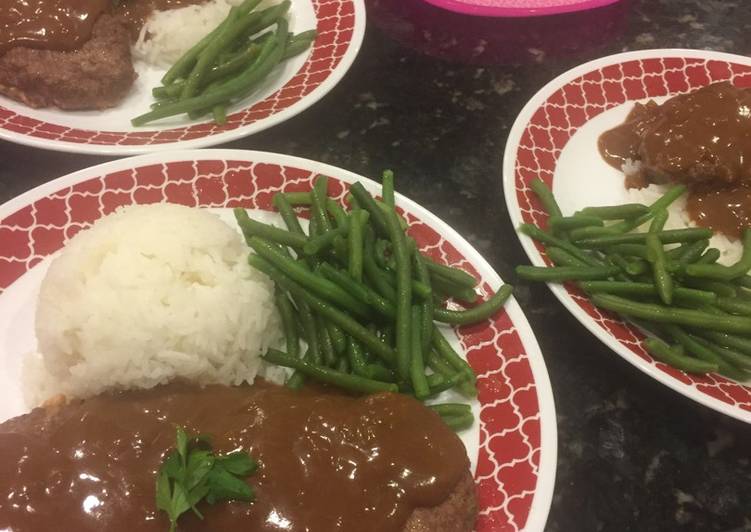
(432, 96)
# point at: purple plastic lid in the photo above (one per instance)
(518, 8)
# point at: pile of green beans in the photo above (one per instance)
(359, 302)
(227, 64)
(697, 312)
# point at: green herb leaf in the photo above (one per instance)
(223, 485)
(192, 472)
(238, 463)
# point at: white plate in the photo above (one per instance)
(292, 87)
(512, 448)
(555, 138)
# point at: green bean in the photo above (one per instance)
(457, 423)
(220, 114)
(403, 294)
(546, 196)
(297, 379)
(446, 288)
(725, 273)
(358, 290)
(416, 364)
(710, 256)
(631, 267)
(680, 294)
(380, 373)
(366, 201)
(584, 233)
(659, 220)
(252, 228)
(320, 286)
(565, 273)
(358, 219)
(288, 213)
(616, 212)
(566, 223)
(347, 324)
(732, 357)
(451, 409)
(669, 236)
(382, 253)
(357, 358)
(427, 307)
(387, 188)
(309, 327)
(699, 349)
(449, 273)
(287, 313)
(319, 194)
(661, 204)
(336, 212)
(734, 306)
(719, 288)
(481, 312)
(299, 198)
(373, 272)
(561, 257)
(444, 349)
(349, 382)
(299, 43)
(237, 23)
(324, 341)
(233, 88)
(447, 383)
(656, 256)
(630, 250)
(675, 357)
(320, 243)
(342, 365)
(728, 340)
(679, 316)
(692, 252)
(745, 281)
(338, 339)
(435, 379)
(546, 238)
(187, 60)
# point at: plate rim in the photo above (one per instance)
(514, 212)
(546, 471)
(458, 6)
(328, 84)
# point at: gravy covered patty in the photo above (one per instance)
(701, 139)
(328, 462)
(71, 54)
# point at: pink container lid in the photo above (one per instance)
(518, 8)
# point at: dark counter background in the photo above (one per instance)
(432, 96)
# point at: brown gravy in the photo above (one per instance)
(702, 139)
(329, 462)
(50, 24)
(67, 24)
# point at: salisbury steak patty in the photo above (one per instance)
(329, 462)
(96, 76)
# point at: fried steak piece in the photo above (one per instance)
(96, 76)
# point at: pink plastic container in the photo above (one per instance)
(518, 8)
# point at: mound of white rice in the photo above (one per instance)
(147, 295)
(167, 35)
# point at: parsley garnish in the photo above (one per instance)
(192, 472)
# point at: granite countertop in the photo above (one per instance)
(432, 96)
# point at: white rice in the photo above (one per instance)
(147, 295)
(730, 250)
(167, 35)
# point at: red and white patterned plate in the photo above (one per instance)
(291, 88)
(512, 448)
(555, 138)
